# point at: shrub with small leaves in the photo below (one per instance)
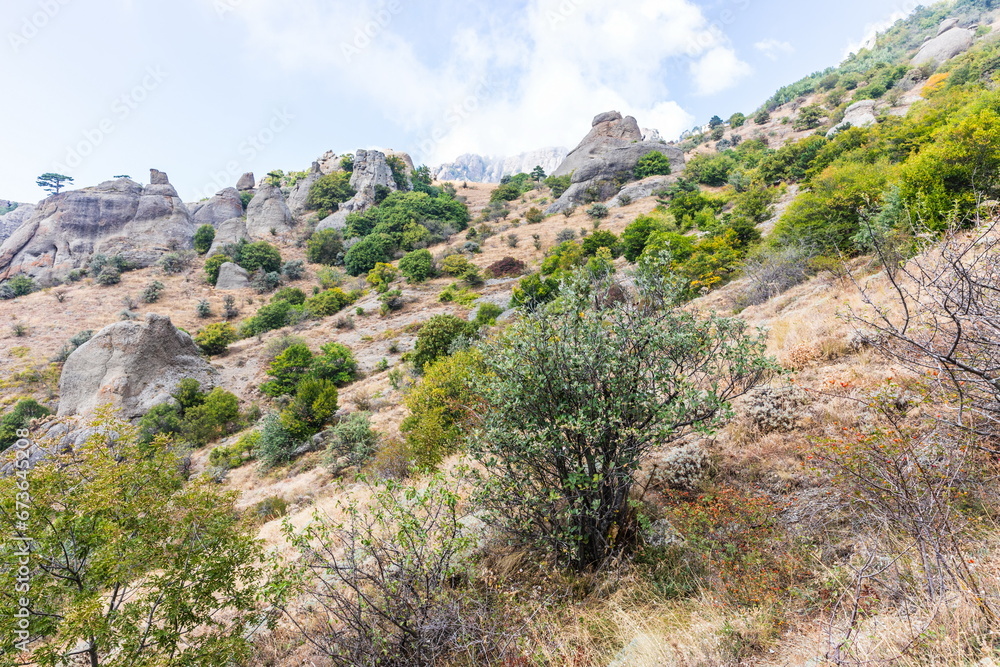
(417, 266)
(263, 283)
(275, 445)
(21, 285)
(229, 309)
(598, 211)
(565, 235)
(312, 408)
(381, 276)
(204, 308)
(508, 266)
(683, 468)
(534, 215)
(775, 408)
(351, 442)
(294, 270)
(108, 276)
(203, 239)
(176, 262)
(216, 338)
(153, 291)
(391, 301)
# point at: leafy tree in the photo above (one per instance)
(600, 239)
(260, 256)
(212, 267)
(559, 184)
(287, 369)
(53, 183)
(737, 120)
(715, 122)
(809, 118)
(417, 266)
(203, 239)
(762, 116)
(436, 336)
(325, 247)
(538, 174)
(19, 418)
(216, 338)
(366, 253)
(313, 407)
(128, 564)
(335, 363)
(381, 276)
(652, 164)
(575, 394)
(399, 172)
(506, 192)
(329, 192)
(711, 170)
(633, 240)
(216, 416)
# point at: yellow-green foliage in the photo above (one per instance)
(440, 406)
(455, 293)
(236, 454)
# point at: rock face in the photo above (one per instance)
(232, 277)
(300, 193)
(225, 205)
(484, 169)
(134, 366)
(246, 182)
(859, 114)
(268, 211)
(611, 150)
(230, 231)
(950, 41)
(640, 189)
(9, 222)
(115, 217)
(370, 171)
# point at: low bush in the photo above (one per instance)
(506, 267)
(18, 419)
(203, 239)
(312, 408)
(417, 266)
(436, 336)
(652, 164)
(216, 338)
(325, 247)
(351, 442)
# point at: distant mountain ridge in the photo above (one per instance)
(487, 169)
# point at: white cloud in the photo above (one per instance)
(512, 82)
(773, 49)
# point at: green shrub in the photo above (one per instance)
(559, 184)
(436, 336)
(600, 239)
(366, 253)
(21, 285)
(737, 120)
(391, 300)
(292, 295)
(329, 302)
(598, 211)
(164, 419)
(313, 407)
(417, 266)
(329, 192)
(203, 239)
(268, 318)
(294, 270)
(260, 256)
(218, 415)
(635, 236)
(275, 445)
(508, 192)
(456, 265)
(263, 282)
(325, 247)
(236, 454)
(652, 164)
(18, 419)
(711, 170)
(108, 276)
(100, 261)
(246, 197)
(534, 291)
(212, 267)
(455, 293)
(216, 338)
(762, 116)
(175, 262)
(288, 369)
(534, 215)
(380, 276)
(335, 363)
(153, 291)
(351, 442)
(487, 314)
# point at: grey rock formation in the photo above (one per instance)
(246, 182)
(300, 193)
(10, 222)
(610, 150)
(484, 169)
(115, 217)
(370, 171)
(405, 157)
(859, 114)
(225, 205)
(232, 277)
(329, 162)
(950, 41)
(134, 366)
(230, 231)
(641, 189)
(157, 177)
(268, 211)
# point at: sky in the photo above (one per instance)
(209, 89)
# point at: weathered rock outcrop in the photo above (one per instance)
(951, 40)
(230, 231)
(115, 217)
(300, 193)
(485, 169)
(232, 277)
(246, 182)
(134, 366)
(640, 189)
(9, 222)
(859, 114)
(268, 211)
(609, 152)
(370, 171)
(225, 205)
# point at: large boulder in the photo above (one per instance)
(951, 40)
(642, 189)
(246, 182)
(230, 231)
(608, 153)
(268, 214)
(115, 217)
(232, 277)
(859, 114)
(299, 195)
(225, 205)
(10, 222)
(134, 366)
(370, 172)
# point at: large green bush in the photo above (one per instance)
(212, 267)
(287, 369)
(335, 363)
(18, 418)
(417, 266)
(329, 192)
(216, 338)
(436, 336)
(325, 247)
(203, 239)
(652, 164)
(260, 256)
(366, 253)
(312, 408)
